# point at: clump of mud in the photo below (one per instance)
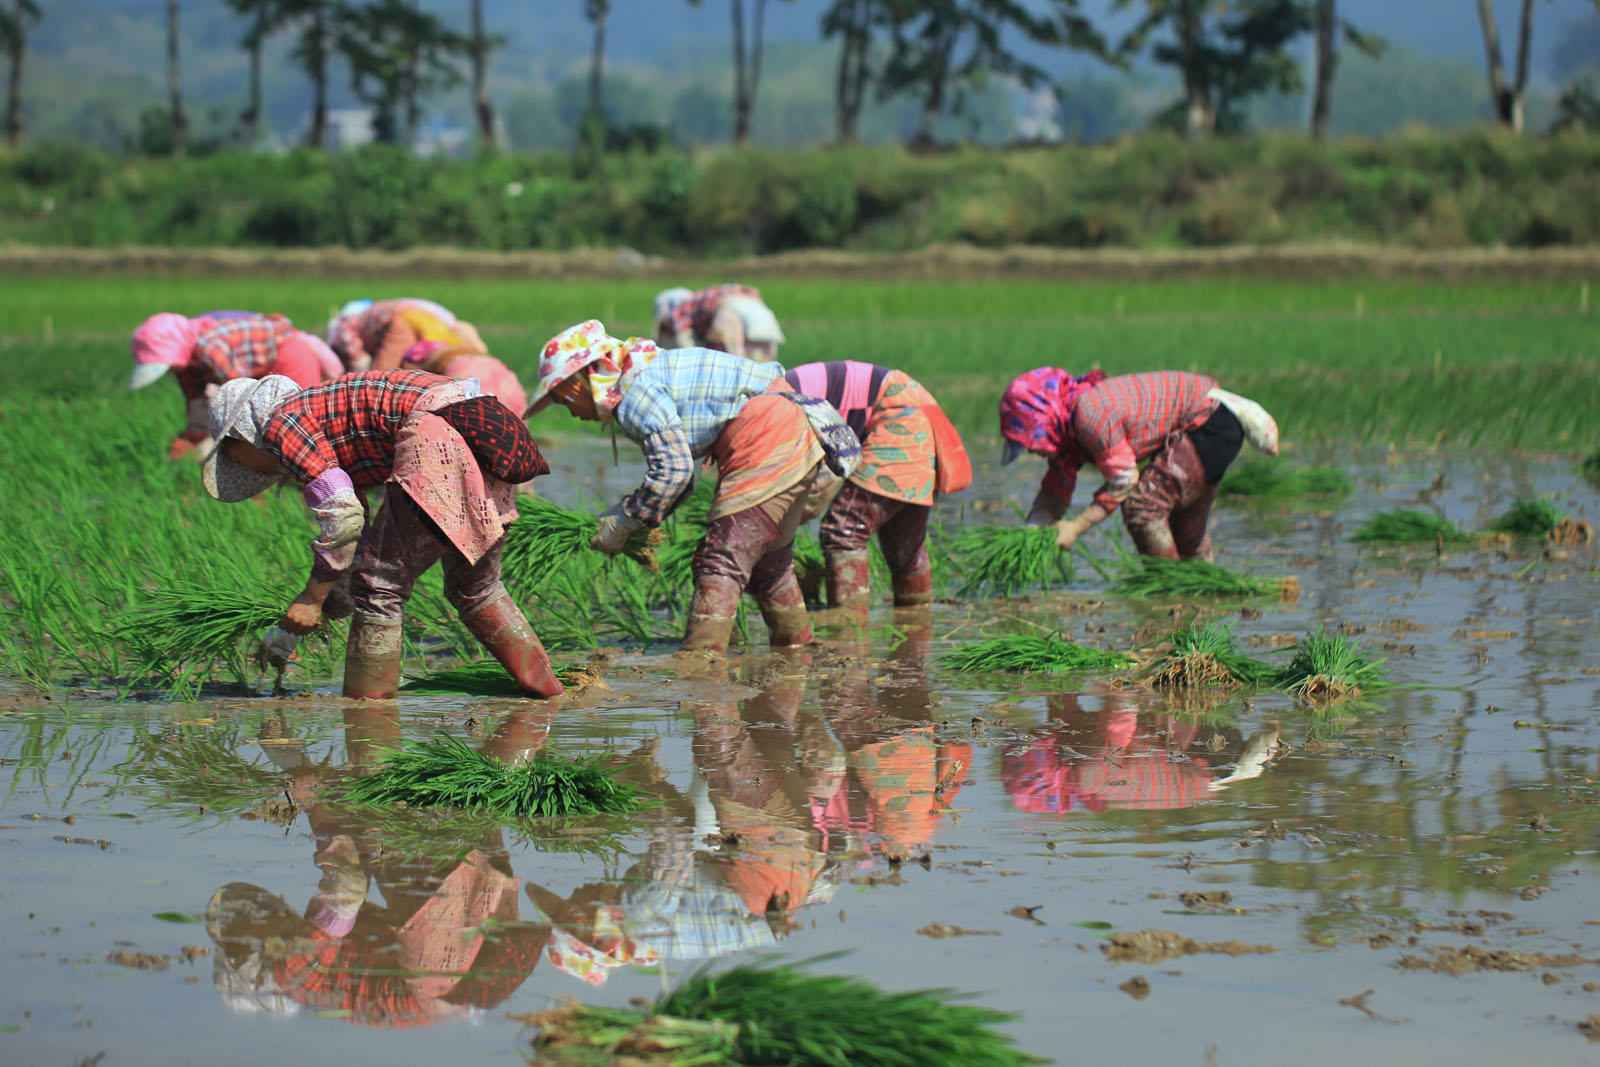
(1202, 901)
(1153, 946)
(1568, 533)
(1321, 688)
(581, 677)
(139, 961)
(1590, 1028)
(280, 811)
(1447, 959)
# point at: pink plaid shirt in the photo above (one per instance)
(234, 348)
(695, 313)
(1124, 420)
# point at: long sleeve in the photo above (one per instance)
(340, 519)
(669, 470)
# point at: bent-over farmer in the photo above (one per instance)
(374, 335)
(909, 454)
(728, 318)
(769, 444)
(1188, 428)
(449, 461)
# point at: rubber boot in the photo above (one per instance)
(372, 658)
(849, 578)
(784, 612)
(713, 614)
(505, 632)
(911, 590)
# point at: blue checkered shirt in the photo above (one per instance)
(674, 410)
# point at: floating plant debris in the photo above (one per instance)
(446, 772)
(1033, 654)
(1409, 526)
(766, 1014)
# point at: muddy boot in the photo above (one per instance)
(505, 632)
(712, 616)
(849, 578)
(784, 612)
(1154, 540)
(372, 658)
(911, 590)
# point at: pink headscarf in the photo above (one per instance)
(1038, 406)
(168, 339)
(613, 364)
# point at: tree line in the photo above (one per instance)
(937, 52)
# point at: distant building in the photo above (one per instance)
(348, 127)
(1036, 117)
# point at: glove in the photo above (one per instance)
(1068, 531)
(615, 529)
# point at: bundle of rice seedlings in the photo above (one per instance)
(1003, 560)
(488, 678)
(1151, 576)
(1207, 656)
(545, 537)
(1408, 526)
(1269, 479)
(446, 772)
(1328, 667)
(766, 1014)
(186, 627)
(1033, 654)
(1529, 517)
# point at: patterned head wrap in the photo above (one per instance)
(667, 301)
(241, 409)
(1038, 406)
(613, 364)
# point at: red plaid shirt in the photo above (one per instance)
(1122, 421)
(350, 422)
(362, 333)
(695, 313)
(235, 348)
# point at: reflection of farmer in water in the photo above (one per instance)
(1116, 758)
(447, 939)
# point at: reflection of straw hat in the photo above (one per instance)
(241, 409)
(760, 324)
(240, 919)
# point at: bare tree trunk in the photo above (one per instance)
(1200, 114)
(318, 138)
(1519, 92)
(19, 50)
(180, 123)
(250, 117)
(480, 77)
(598, 12)
(1499, 91)
(746, 75)
(1327, 67)
(850, 80)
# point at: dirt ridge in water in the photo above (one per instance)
(1153, 946)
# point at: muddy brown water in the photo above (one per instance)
(179, 890)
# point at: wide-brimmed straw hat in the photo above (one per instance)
(241, 409)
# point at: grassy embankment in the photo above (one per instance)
(96, 516)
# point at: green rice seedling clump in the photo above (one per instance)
(1207, 655)
(1033, 654)
(1529, 517)
(1004, 560)
(488, 678)
(1151, 576)
(1327, 667)
(446, 772)
(766, 1014)
(810, 568)
(545, 536)
(1270, 479)
(1408, 526)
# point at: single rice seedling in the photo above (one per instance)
(1327, 667)
(1033, 654)
(1174, 579)
(1003, 560)
(1529, 517)
(1268, 479)
(446, 772)
(766, 1014)
(545, 537)
(1207, 656)
(1408, 526)
(487, 678)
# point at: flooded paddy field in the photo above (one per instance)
(1230, 877)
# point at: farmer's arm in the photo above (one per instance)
(1100, 433)
(346, 341)
(649, 415)
(1055, 491)
(301, 449)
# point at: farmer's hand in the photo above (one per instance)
(615, 529)
(301, 618)
(1067, 533)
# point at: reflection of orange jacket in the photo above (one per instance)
(1113, 768)
(775, 863)
(908, 781)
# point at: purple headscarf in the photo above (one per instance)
(1037, 407)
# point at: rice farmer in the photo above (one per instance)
(374, 335)
(728, 318)
(909, 453)
(1188, 428)
(494, 377)
(449, 461)
(217, 347)
(768, 441)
